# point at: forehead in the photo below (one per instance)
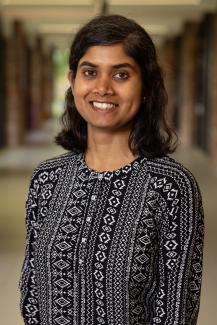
(107, 55)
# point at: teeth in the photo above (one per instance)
(103, 105)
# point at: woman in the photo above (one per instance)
(115, 226)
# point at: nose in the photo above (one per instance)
(103, 86)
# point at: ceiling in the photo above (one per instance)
(58, 20)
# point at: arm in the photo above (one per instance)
(27, 284)
(180, 255)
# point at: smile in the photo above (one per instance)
(103, 105)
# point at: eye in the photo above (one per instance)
(89, 73)
(121, 75)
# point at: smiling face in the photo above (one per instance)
(107, 88)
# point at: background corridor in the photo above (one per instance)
(34, 39)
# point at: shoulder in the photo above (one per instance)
(166, 170)
(53, 166)
(56, 162)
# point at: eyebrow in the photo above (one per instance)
(115, 66)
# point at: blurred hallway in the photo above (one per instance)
(34, 40)
(16, 166)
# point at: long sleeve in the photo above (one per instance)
(27, 284)
(180, 253)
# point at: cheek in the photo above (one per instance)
(76, 90)
(134, 99)
(133, 94)
(80, 101)
(81, 86)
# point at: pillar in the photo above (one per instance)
(188, 76)
(36, 86)
(2, 90)
(16, 85)
(47, 82)
(212, 93)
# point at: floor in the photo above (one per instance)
(16, 166)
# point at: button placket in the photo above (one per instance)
(93, 198)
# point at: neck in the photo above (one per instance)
(108, 151)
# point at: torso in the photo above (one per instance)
(96, 252)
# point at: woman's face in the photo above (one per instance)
(107, 88)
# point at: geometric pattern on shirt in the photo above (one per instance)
(122, 247)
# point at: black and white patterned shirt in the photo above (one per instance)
(112, 248)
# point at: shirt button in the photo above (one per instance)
(88, 219)
(93, 197)
(80, 261)
(100, 176)
(83, 240)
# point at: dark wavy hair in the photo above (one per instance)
(150, 135)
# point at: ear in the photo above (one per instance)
(71, 79)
